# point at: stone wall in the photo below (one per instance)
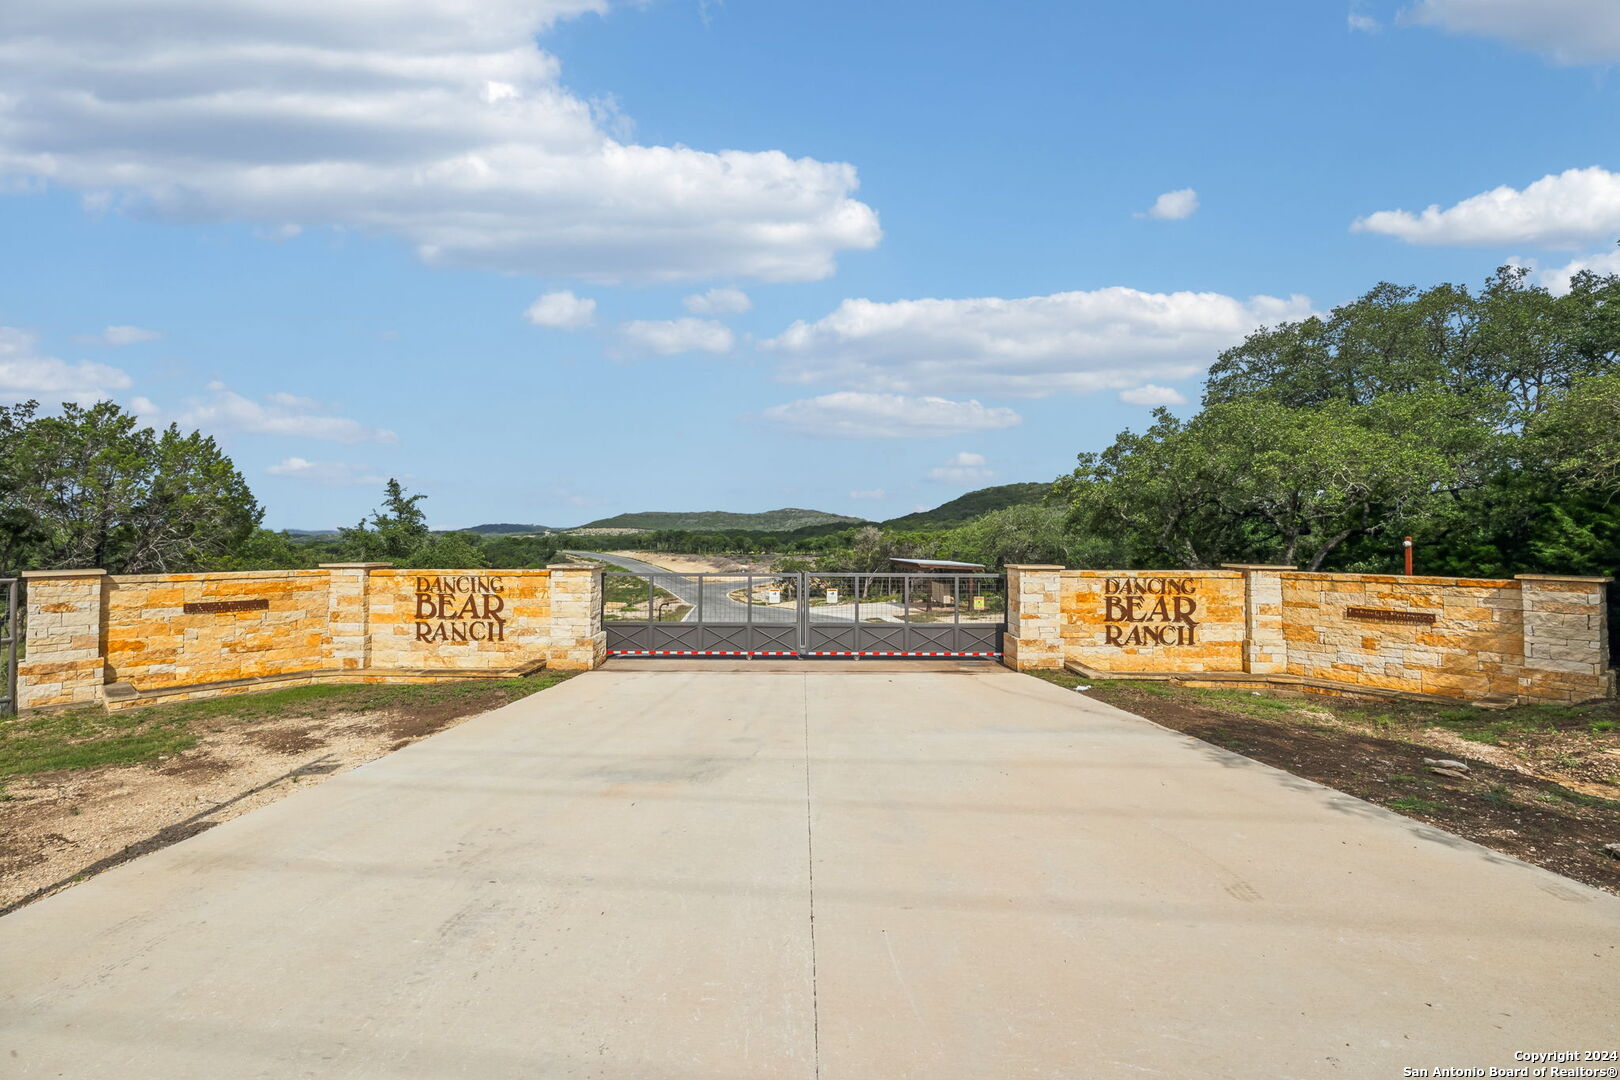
(132, 640)
(1154, 620)
(461, 620)
(167, 630)
(1452, 637)
(1534, 638)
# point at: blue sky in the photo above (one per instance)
(550, 260)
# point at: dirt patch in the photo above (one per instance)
(59, 828)
(699, 564)
(1550, 797)
(286, 740)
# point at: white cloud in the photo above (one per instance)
(328, 473)
(874, 493)
(852, 415)
(437, 122)
(1365, 24)
(1557, 279)
(719, 302)
(964, 468)
(25, 375)
(671, 336)
(118, 335)
(1173, 205)
(1152, 395)
(1561, 210)
(224, 411)
(1567, 31)
(1068, 342)
(562, 311)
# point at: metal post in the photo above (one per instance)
(10, 629)
(701, 584)
(1407, 545)
(748, 614)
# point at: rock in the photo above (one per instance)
(1445, 763)
(1453, 773)
(1612, 850)
(1079, 689)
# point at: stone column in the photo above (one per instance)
(1265, 648)
(348, 613)
(578, 642)
(1034, 638)
(1566, 638)
(65, 662)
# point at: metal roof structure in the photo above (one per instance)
(924, 565)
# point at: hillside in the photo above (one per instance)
(784, 520)
(960, 511)
(506, 529)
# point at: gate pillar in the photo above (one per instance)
(65, 664)
(1034, 636)
(578, 641)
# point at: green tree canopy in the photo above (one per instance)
(92, 488)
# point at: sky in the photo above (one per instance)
(552, 260)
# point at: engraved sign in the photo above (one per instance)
(460, 607)
(216, 607)
(1150, 611)
(1412, 618)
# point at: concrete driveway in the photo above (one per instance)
(808, 872)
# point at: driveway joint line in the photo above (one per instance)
(810, 866)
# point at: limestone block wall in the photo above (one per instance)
(460, 620)
(1033, 641)
(63, 646)
(130, 640)
(1154, 620)
(167, 630)
(1454, 637)
(578, 640)
(1566, 638)
(1534, 638)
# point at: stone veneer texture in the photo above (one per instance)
(153, 643)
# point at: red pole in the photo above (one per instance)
(1407, 544)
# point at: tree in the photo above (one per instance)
(1257, 480)
(1014, 534)
(1576, 439)
(91, 488)
(1510, 348)
(395, 531)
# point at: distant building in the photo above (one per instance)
(940, 591)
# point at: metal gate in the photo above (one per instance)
(10, 633)
(805, 615)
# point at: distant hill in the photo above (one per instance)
(962, 510)
(778, 521)
(505, 529)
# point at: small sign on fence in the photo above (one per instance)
(832, 596)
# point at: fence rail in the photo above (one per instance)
(11, 627)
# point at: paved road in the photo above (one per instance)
(718, 606)
(868, 875)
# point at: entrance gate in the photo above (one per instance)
(807, 615)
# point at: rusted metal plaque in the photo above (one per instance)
(1372, 614)
(218, 607)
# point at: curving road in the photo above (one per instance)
(714, 592)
